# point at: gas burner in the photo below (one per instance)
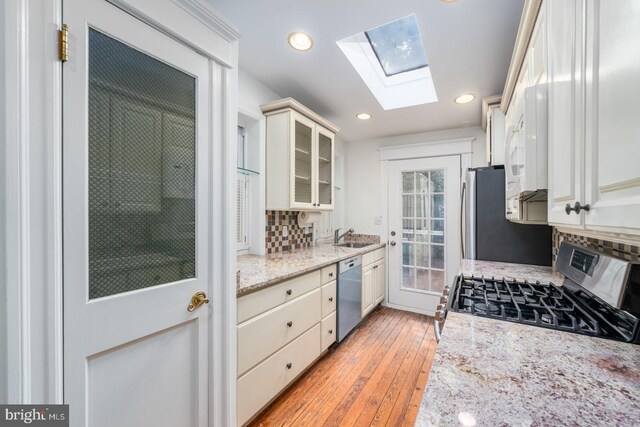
(547, 318)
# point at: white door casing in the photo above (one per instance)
(139, 357)
(426, 253)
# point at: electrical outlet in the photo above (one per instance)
(285, 231)
(377, 220)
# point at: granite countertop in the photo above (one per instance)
(260, 271)
(511, 271)
(489, 372)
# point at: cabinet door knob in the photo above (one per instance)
(330, 299)
(289, 291)
(330, 274)
(289, 365)
(330, 331)
(289, 323)
(392, 243)
(577, 207)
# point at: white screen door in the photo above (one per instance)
(136, 220)
(424, 236)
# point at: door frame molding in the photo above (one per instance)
(462, 147)
(32, 183)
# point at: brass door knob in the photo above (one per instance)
(198, 299)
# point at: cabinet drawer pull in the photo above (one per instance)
(289, 291)
(289, 323)
(330, 331)
(330, 299)
(289, 365)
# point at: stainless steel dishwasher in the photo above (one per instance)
(349, 295)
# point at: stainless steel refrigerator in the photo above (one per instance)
(488, 235)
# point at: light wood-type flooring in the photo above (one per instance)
(376, 376)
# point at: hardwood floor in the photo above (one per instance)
(376, 376)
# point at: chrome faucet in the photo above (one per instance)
(337, 236)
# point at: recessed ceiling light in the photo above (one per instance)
(363, 116)
(463, 99)
(300, 41)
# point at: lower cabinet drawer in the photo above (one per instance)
(263, 335)
(262, 383)
(328, 298)
(328, 331)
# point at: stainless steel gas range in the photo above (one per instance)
(600, 297)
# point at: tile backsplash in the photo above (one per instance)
(620, 250)
(275, 241)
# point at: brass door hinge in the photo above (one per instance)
(63, 43)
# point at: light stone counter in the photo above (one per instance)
(497, 373)
(260, 271)
(511, 271)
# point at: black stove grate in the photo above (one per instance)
(534, 303)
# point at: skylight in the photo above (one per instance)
(392, 62)
(398, 46)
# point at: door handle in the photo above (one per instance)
(392, 243)
(198, 299)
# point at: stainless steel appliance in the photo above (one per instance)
(349, 310)
(488, 235)
(600, 296)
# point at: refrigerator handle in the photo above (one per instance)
(462, 236)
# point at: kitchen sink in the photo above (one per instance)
(354, 245)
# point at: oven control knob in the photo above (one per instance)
(445, 293)
(439, 315)
(444, 300)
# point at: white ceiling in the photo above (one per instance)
(468, 45)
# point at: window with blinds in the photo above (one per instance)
(242, 194)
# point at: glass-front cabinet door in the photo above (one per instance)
(325, 165)
(302, 182)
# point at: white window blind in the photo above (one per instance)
(242, 218)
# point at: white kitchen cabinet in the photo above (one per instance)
(612, 133)
(495, 135)
(136, 156)
(178, 157)
(300, 158)
(281, 331)
(368, 284)
(594, 74)
(379, 281)
(373, 279)
(526, 131)
(566, 107)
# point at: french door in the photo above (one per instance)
(136, 220)
(424, 230)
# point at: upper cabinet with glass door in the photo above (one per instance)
(300, 157)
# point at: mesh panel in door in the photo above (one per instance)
(303, 153)
(325, 178)
(141, 170)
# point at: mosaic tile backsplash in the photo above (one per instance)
(620, 250)
(275, 241)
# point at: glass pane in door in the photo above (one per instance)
(142, 149)
(325, 159)
(423, 227)
(303, 165)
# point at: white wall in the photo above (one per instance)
(362, 172)
(251, 94)
(3, 293)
